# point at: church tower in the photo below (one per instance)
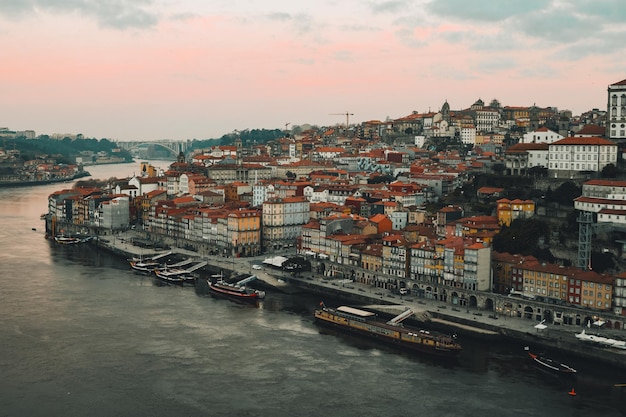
(534, 119)
(445, 112)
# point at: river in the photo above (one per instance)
(81, 335)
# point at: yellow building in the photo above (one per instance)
(244, 232)
(509, 210)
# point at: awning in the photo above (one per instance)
(276, 261)
(599, 323)
(541, 326)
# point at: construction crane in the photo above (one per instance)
(347, 114)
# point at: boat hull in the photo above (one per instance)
(224, 291)
(551, 365)
(417, 340)
(143, 268)
(179, 279)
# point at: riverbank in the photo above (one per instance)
(29, 183)
(469, 322)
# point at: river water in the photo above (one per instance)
(81, 335)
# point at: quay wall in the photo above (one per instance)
(465, 323)
(512, 329)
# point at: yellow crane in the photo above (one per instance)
(347, 114)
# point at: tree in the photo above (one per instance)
(538, 171)
(565, 194)
(521, 236)
(378, 179)
(498, 168)
(609, 171)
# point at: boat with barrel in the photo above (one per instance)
(70, 240)
(549, 364)
(177, 275)
(237, 291)
(393, 331)
(148, 265)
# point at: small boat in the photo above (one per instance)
(550, 364)
(237, 291)
(148, 265)
(68, 240)
(174, 277)
(591, 338)
(144, 267)
(393, 331)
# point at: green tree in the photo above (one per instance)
(609, 171)
(565, 193)
(521, 236)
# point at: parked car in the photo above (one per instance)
(257, 266)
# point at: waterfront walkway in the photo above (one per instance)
(458, 319)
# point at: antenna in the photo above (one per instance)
(347, 114)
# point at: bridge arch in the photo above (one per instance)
(141, 146)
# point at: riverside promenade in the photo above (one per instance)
(466, 322)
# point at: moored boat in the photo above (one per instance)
(238, 291)
(174, 277)
(144, 267)
(393, 331)
(68, 240)
(147, 265)
(175, 274)
(550, 364)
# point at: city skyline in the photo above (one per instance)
(153, 69)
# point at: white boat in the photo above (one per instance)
(550, 364)
(591, 338)
(148, 265)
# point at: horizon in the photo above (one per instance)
(152, 70)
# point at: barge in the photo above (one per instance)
(367, 323)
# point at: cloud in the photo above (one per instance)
(605, 10)
(390, 6)
(280, 16)
(118, 14)
(480, 10)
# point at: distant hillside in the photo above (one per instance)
(248, 138)
(65, 150)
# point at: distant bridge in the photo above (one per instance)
(173, 147)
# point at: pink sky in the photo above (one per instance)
(185, 69)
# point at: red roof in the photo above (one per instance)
(584, 141)
(592, 130)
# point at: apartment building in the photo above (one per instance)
(283, 219)
(568, 157)
(606, 198)
(509, 210)
(244, 232)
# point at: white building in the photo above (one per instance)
(616, 111)
(520, 157)
(606, 198)
(568, 157)
(468, 135)
(487, 119)
(114, 214)
(541, 135)
(282, 221)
